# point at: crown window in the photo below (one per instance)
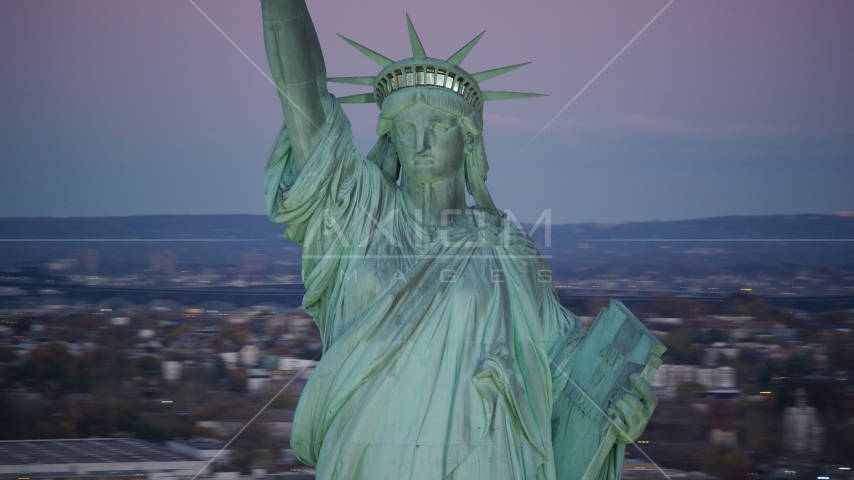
(410, 77)
(419, 75)
(430, 76)
(449, 80)
(464, 89)
(399, 77)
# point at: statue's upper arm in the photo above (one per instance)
(296, 62)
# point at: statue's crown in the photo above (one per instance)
(424, 71)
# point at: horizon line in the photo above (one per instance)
(841, 214)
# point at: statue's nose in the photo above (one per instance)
(422, 140)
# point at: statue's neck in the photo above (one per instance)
(436, 204)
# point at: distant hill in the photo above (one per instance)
(127, 243)
(721, 245)
(735, 227)
(702, 242)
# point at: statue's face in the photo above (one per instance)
(431, 145)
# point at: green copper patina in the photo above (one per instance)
(447, 354)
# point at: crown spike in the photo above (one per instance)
(376, 57)
(367, 81)
(494, 95)
(417, 47)
(458, 57)
(481, 76)
(358, 98)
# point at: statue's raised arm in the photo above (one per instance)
(296, 62)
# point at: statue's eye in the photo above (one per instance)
(440, 127)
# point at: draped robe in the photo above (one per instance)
(443, 348)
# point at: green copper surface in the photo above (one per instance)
(482, 76)
(381, 60)
(447, 353)
(495, 95)
(367, 81)
(420, 70)
(417, 48)
(357, 98)
(461, 54)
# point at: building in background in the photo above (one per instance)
(802, 428)
(87, 260)
(93, 458)
(293, 366)
(172, 370)
(722, 428)
(252, 263)
(202, 449)
(163, 261)
(250, 355)
(257, 380)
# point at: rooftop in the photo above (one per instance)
(89, 450)
(201, 443)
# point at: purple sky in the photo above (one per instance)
(721, 107)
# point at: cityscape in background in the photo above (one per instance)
(139, 346)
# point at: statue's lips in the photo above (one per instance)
(425, 160)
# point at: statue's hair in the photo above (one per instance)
(439, 98)
(384, 153)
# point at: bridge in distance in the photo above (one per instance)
(290, 295)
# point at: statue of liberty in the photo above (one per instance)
(445, 345)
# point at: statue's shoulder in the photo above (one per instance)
(500, 231)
